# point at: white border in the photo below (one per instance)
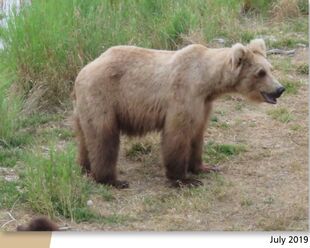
(174, 240)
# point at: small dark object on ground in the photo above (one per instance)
(39, 224)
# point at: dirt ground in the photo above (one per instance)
(263, 188)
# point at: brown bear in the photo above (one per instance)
(39, 224)
(132, 90)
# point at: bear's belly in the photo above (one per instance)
(137, 124)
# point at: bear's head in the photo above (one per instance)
(252, 72)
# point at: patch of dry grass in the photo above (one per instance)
(303, 68)
(284, 220)
(281, 114)
(284, 9)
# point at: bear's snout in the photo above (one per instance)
(279, 91)
(272, 97)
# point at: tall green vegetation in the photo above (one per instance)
(53, 184)
(10, 107)
(47, 43)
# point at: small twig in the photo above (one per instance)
(11, 216)
(9, 213)
(65, 228)
(6, 223)
(13, 206)
(11, 220)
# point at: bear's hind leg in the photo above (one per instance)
(103, 145)
(83, 159)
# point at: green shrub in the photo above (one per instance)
(54, 185)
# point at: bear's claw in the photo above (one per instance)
(120, 184)
(208, 168)
(186, 183)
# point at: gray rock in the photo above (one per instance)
(219, 40)
(90, 203)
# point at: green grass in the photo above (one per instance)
(281, 114)
(221, 125)
(51, 184)
(269, 200)
(36, 119)
(9, 156)
(18, 139)
(296, 25)
(190, 200)
(85, 215)
(247, 35)
(303, 6)
(284, 64)
(239, 106)
(286, 42)
(303, 69)
(45, 61)
(246, 202)
(10, 121)
(9, 194)
(116, 219)
(138, 150)
(260, 6)
(102, 190)
(214, 119)
(59, 133)
(10, 107)
(54, 185)
(48, 59)
(224, 125)
(11, 134)
(221, 112)
(295, 127)
(288, 33)
(291, 86)
(215, 153)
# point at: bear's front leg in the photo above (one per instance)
(176, 153)
(196, 165)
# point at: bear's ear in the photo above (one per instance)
(258, 46)
(238, 56)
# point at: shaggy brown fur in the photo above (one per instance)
(39, 224)
(134, 91)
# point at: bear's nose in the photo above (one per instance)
(279, 91)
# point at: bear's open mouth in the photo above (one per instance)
(269, 97)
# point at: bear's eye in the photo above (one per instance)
(261, 73)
